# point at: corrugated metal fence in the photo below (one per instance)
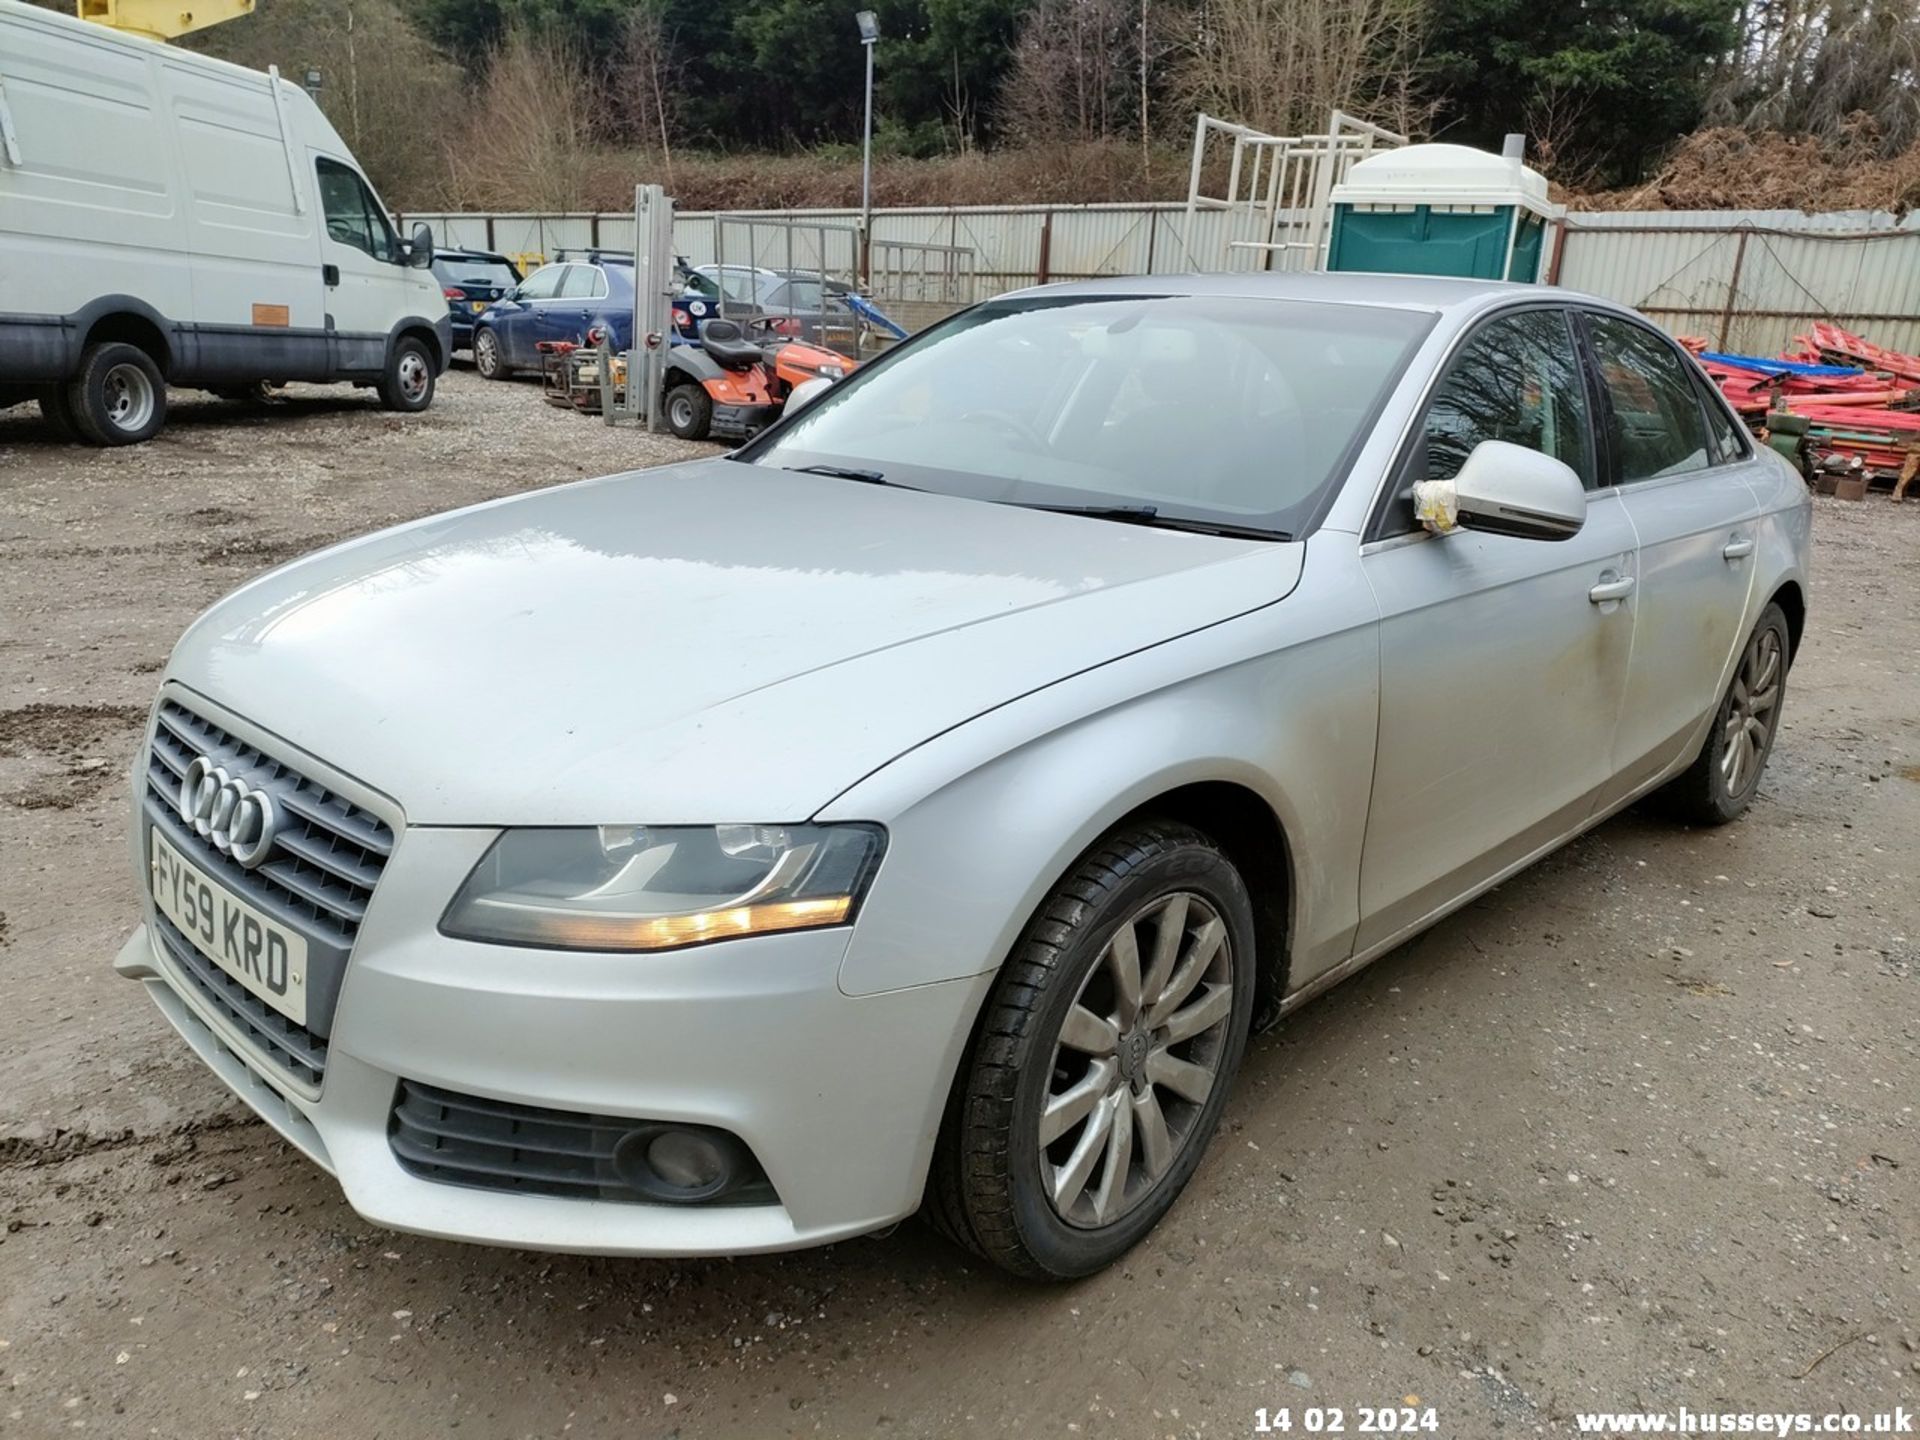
(1746, 280)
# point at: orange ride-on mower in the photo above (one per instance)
(727, 386)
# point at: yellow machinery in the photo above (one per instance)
(161, 19)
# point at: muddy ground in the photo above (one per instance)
(1636, 1130)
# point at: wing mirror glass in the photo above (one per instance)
(1506, 489)
(805, 393)
(420, 247)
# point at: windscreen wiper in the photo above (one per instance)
(840, 472)
(1150, 515)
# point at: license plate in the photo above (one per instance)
(267, 958)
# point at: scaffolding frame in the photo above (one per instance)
(1279, 220)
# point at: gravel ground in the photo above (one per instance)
(1636, 1130)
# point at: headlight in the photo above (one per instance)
(643, 887)
(833, 372)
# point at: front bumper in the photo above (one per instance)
(838, 1097)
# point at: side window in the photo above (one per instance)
(354, 217)
(1726, 436)
(580, 283)
(543, 284)
(1654, 417)
(1518, 380)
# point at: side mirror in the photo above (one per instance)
(1507, 489)
(420, 247)
(805, 393)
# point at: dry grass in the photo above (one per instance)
(1056, 174)
(1727, 169)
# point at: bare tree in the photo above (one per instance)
(1284, 64)
(1072, 72)
(535, 112)
(642, 81)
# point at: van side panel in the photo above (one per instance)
(89, 210)
(257, 290)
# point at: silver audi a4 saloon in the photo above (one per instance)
(918, 807)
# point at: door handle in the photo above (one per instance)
(1738, 548)
(330, 274)
(1615, 589)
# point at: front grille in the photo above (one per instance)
(327, 857)
(294, 1048)
(503, 1145)
(328, 854)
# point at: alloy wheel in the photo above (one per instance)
(1138, 1054)
(1751, 706)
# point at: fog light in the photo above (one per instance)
(681, 1164)
(692, 1162)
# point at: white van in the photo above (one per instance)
(166, 218)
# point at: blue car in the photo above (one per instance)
(471, 280)
(561, 301)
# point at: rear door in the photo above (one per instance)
(1502, 660)
(1681, 469)
(570, 313)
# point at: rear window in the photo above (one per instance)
(457, 271)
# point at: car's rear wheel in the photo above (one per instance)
(689, 411)
(487, 358)
(119, 397)
(1723, 779)
(1103, 1058)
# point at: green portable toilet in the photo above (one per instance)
(1442, 210)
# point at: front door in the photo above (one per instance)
(361, 264)
(1683, 482)
(1502, 660)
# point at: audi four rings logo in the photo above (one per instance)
(237, 817)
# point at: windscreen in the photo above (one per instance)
(1209, 408)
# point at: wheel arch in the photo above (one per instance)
(129, 322)
(1247, 828)
(425, 332)
(1792, 600)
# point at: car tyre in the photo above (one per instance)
(408, 381)
(119, 397)
(487, 358)
(1080, 1110)
(1725, 776)
(57, 410)
(689, 411)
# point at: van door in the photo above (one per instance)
(360, 268)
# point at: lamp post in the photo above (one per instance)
(869, 24)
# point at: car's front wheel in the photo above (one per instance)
(1723, 779)
(487, 358)
(1103, 1059)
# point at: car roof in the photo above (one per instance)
(457, 252)
(1434, 293)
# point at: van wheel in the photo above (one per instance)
(58, 412)
(408, 383)
(689, 411)
(119, 397)
(486, 356)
